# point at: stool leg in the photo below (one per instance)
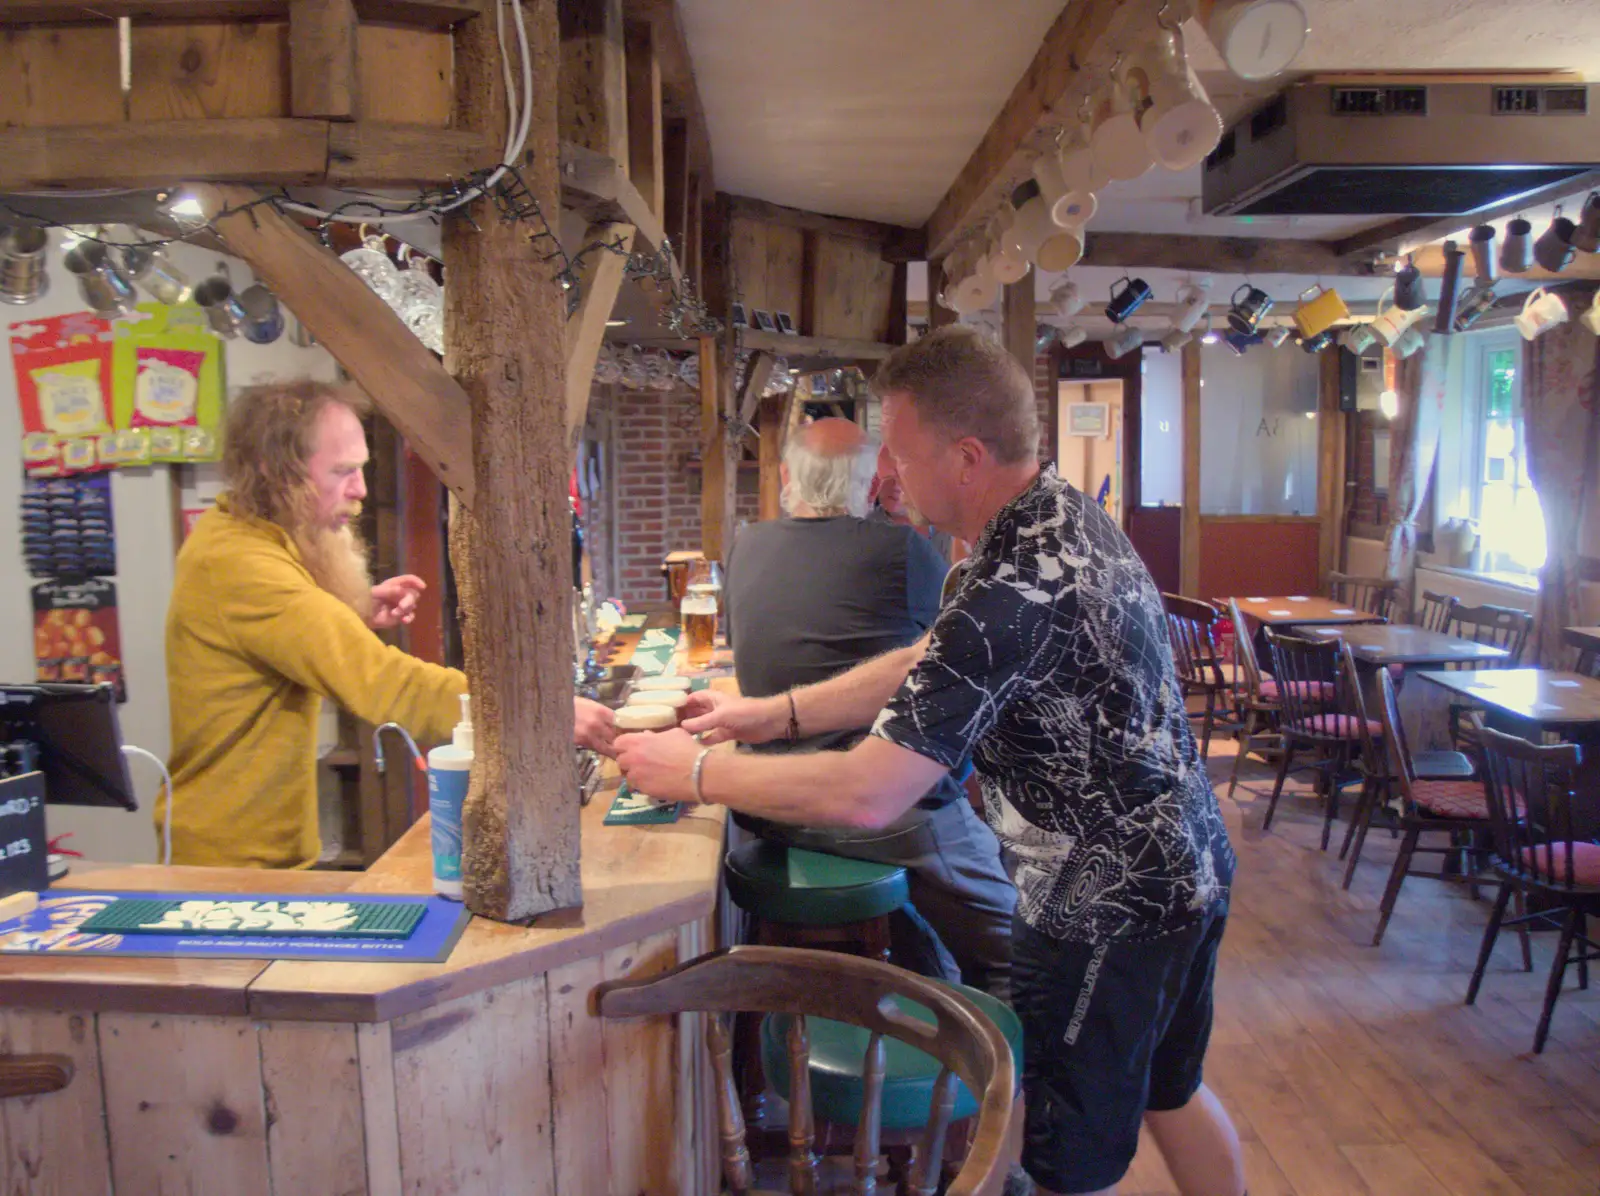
(875, 939)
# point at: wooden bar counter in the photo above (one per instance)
(483, 1074)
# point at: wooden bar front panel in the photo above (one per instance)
(1258, 555)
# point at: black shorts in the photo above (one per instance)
(1110, 1030)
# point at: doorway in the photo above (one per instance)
(1089, 436)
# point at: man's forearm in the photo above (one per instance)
(805, 788)
(853, 699)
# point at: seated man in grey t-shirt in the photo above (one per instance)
(818, 592)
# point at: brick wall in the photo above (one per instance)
(653, 451)
(1366, 504)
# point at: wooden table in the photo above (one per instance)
(1588, 637)
(1299, 609)
(1400, 643)
(1543, 698)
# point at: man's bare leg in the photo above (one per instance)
(1201, 1146)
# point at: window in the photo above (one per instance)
(1505, 504)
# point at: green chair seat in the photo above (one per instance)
(810, 888)
(839, 1048)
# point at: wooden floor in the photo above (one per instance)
(1353, 1069)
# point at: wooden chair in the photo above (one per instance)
(1499, 627)
(1254, 694)
(1539, 851)
(1586, 657)
(864, 993)
(1458, 808)
(1375, 595)
(1312, 715)
(1436, 610)
(1191, 627)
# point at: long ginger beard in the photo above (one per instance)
(337, 561)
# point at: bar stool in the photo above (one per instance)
(908, 1089)
(801, 898)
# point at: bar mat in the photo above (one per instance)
(629, 809)
(655, 649)
(249, 917)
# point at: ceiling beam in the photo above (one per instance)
(1075, 58)
(426, 14)
(1408, 231)
(899, 244)
(680, 94)
(1220, 255)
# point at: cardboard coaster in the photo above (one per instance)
(655, 650)
(628, 809)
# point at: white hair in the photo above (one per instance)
(836, 484)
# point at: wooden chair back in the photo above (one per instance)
(864, 993)
(1586, 657)
(1373, 750)
(1375, 595)
(1307, 673)
(1394, 735)
(1532, 789)
(1191, 626)
(1498, 626)
(1244, 654)
(1436, 608)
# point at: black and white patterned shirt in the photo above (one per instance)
(1050, 669)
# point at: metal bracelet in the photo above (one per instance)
(694, 774)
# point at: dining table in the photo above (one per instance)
(1403, 644)
(1542, 699)
(1300, 610)
(1585, 637)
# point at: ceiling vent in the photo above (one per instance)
(1443, 149)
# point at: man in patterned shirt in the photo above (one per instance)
(1050, 670)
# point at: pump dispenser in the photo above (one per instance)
(449, 771)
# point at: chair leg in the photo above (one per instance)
(1370, 801)
(1522, 932)
(1363, 804)
(1277, 787)
(1330, 810)
(1397, 876)
(1210, 722)
(1583, 950)
(1490, 933)
(1245, 738)
(1558, 973)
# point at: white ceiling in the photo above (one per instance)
(869, 109)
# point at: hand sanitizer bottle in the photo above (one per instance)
(449, 770)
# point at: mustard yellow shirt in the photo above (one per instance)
(253, 645)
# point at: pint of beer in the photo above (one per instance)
(699, 615)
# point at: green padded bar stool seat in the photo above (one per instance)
(839, 1048)
(810, 888)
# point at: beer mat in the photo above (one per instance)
(333, 919)
(61, 926)
(655, 650)
(631, 809)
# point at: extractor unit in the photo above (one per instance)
(1402, 149)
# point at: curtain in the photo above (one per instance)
(1560, 387)
(1413, 444)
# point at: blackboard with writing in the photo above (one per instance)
(22, 839)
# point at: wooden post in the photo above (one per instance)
(771, 429)
(594, 103)
(938, 314)
(322, 59)
(713, 461)
(645, 147)
(675, 186)
(599, 280)
(505, 319)
(1189, 568)
(897, 305)
(1331, 492)
(1017, 322)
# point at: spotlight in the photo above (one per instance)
(1210, 336)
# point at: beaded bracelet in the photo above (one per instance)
(694, 774)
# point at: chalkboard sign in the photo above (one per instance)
(22, 842)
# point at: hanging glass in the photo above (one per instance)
(371, 263)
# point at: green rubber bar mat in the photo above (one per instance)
(629, 809)
(249, 917)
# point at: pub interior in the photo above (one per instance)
(439, 427)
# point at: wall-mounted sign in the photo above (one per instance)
(1088, 419)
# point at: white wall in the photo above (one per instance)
(1161, 430)
(1258, 449)
(142, 505)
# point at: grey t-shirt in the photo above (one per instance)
(807, 599)
(940, 540)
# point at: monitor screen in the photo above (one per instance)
(79, 743)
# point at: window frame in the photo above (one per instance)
(1476, 387)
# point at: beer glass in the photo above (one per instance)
(699, 616)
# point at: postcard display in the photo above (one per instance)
(97, 396)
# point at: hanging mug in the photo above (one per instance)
(149, 266)
(23, 277)
(1133, 295)
(1059, 251)
(1276, 336)
(1125, 342)
(1316, 344)
(1192, 302)
(1068, 300)
(1240, 341)
(263, 316)
(1473, 305)
(1175, 339)
(1541, 312)
(1516, 251)
(1408, 290)
(1591, 318)
(1069, 206)
(1410, 341)
(1393, 321)
(1072, 337)
(104, 287)
(1250, 304)
(1319, 308)
(1553, 250)
(1358, 338)
(1587, 238)
(1481, 244)
(216, 298)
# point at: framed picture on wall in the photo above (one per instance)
(1088, 419)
